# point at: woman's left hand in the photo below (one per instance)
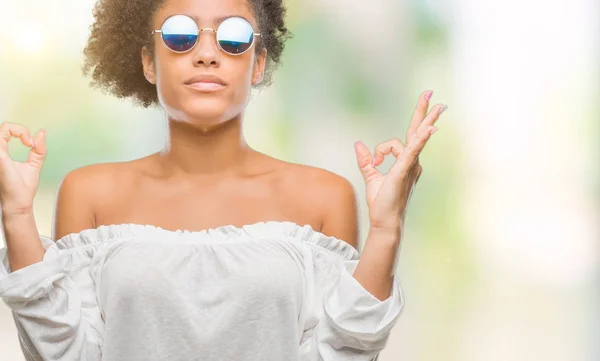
(388, 195)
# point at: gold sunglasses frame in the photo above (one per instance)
(254, 35)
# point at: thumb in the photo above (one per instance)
(37, 154)
(364, 160)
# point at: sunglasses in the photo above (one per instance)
(180, 34)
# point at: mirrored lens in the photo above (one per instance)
(180, 33)
(235, 35)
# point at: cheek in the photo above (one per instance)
(242, 74)
(169, 81)
(168, 73)
(241, 84)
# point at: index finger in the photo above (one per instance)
(9, 130)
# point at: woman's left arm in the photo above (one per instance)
(388, 196)
(353, 302)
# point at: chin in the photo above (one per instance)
(205, 111)
(205, 108)
(201, 109)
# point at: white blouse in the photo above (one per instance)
(269, 291)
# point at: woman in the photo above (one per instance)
(207, 250)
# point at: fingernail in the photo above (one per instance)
(428, 95)
(32, 143)
(442, 109)
(433, 130)
(373, 163)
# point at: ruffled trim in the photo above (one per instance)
(308, 235)
(256, 231)
(90, 238)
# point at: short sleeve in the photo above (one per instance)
(341, 319)
(54, 302)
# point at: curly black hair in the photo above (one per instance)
(122, 27)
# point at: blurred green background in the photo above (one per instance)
(500, 260)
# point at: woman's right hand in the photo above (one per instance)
(19, 180)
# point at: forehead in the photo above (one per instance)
(207, 13)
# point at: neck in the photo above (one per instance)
(197, 151)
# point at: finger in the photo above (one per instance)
(419, 113)
(411, 152)
(430, 119)
(10, 130)
(38, 153)
(393, 146)
(365, 161)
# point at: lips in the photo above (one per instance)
(206, 82)
(206, 78)
(206, 86)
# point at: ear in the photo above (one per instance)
(259, 67)
(148, 66)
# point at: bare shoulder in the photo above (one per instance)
(96, 180)
(330, 194)
(323, 184)
(81, 191)
(87, 177)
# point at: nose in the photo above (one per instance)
(206, 52)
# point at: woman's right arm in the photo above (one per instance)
(18, 186)
(72, 214)
(54, 301)
(51, 290)
(22, 240)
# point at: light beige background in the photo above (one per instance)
(500, 260)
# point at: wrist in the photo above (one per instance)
(12, 214)
(391, 234)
